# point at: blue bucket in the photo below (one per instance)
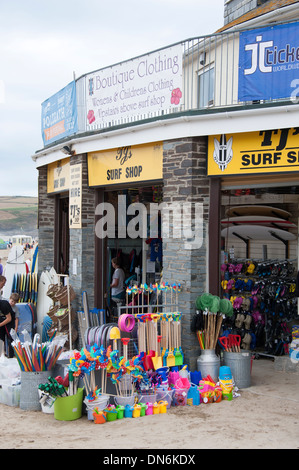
(225, 373)
(195, 377)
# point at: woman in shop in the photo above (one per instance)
(118, 282)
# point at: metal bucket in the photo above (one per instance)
(208, 364)
(29, 399)
(240, 366)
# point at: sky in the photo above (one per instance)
(43, 44)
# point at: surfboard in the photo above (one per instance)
(44, 303)
(256, 232)
(257, 210)
(25, 320)
(265, 220)
(54, 276)
(34, 264)
(15, 265)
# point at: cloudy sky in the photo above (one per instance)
(43, 43)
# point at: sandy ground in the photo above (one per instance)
(265, 416)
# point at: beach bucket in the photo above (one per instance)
(29, 399)
(120, 411)
(111, 414)
(156, 408)
(163, 373)
(136, 411)
(193, 397)
(195, 377)
(163, 406)
(69, 408)
(180, 397)
(149, 409)
(99, 418)
(100, 402)
(123, 401)
(143, 408)
(164, 395)
(173, 377)
(46, 403)
(147, 397)
(128, 413)
(240, 366)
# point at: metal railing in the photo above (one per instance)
(210, 68)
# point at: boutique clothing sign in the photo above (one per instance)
(137, 87)
(59, 115)
(269, 63)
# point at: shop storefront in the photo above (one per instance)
(258, 220)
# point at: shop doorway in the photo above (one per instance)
(62, 235)
(259, 263)
(140, 258)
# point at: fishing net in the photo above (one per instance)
(215, 304)
(225, 307)
(204, 301)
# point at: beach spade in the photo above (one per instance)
(179, 359)
(157, 360)
(114, 335)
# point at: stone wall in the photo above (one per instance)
(185, 180)
(46, 216)
(82, 241)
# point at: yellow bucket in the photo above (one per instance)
(136, 411)
(156, 408)
(163, 406)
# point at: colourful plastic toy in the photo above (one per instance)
(163, 406)
(99, 417)
(143, 409)
(120, 411)
(128, 411)
(149, 409)
(156, 408)
(136, 410)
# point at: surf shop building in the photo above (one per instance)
(203, 126)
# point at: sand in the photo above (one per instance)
(265, 416)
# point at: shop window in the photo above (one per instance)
(206, 88)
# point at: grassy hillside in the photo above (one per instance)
(18, 214)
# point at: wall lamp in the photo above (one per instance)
(67, 150)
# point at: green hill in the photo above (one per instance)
(18, 214)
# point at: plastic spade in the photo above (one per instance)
(115, 335)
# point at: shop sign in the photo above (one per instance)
(271, 151)
(130, 164)
(75, 203)
(147, 84)
(58, 177)
(59, 115)
(269, 63)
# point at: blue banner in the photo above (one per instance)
(269, 63)
(59, 115)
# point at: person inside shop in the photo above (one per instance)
(1, 267)
(7, 322)
(118, 282)
(13, 300)
(2, 284)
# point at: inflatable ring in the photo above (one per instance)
(126, 322)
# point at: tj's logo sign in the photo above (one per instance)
(223, 152)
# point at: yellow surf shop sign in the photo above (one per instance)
(130, 164)
(58, 176)
(272, 151)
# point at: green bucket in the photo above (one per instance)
(111, 415)
(143, 408)
(69, 408)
